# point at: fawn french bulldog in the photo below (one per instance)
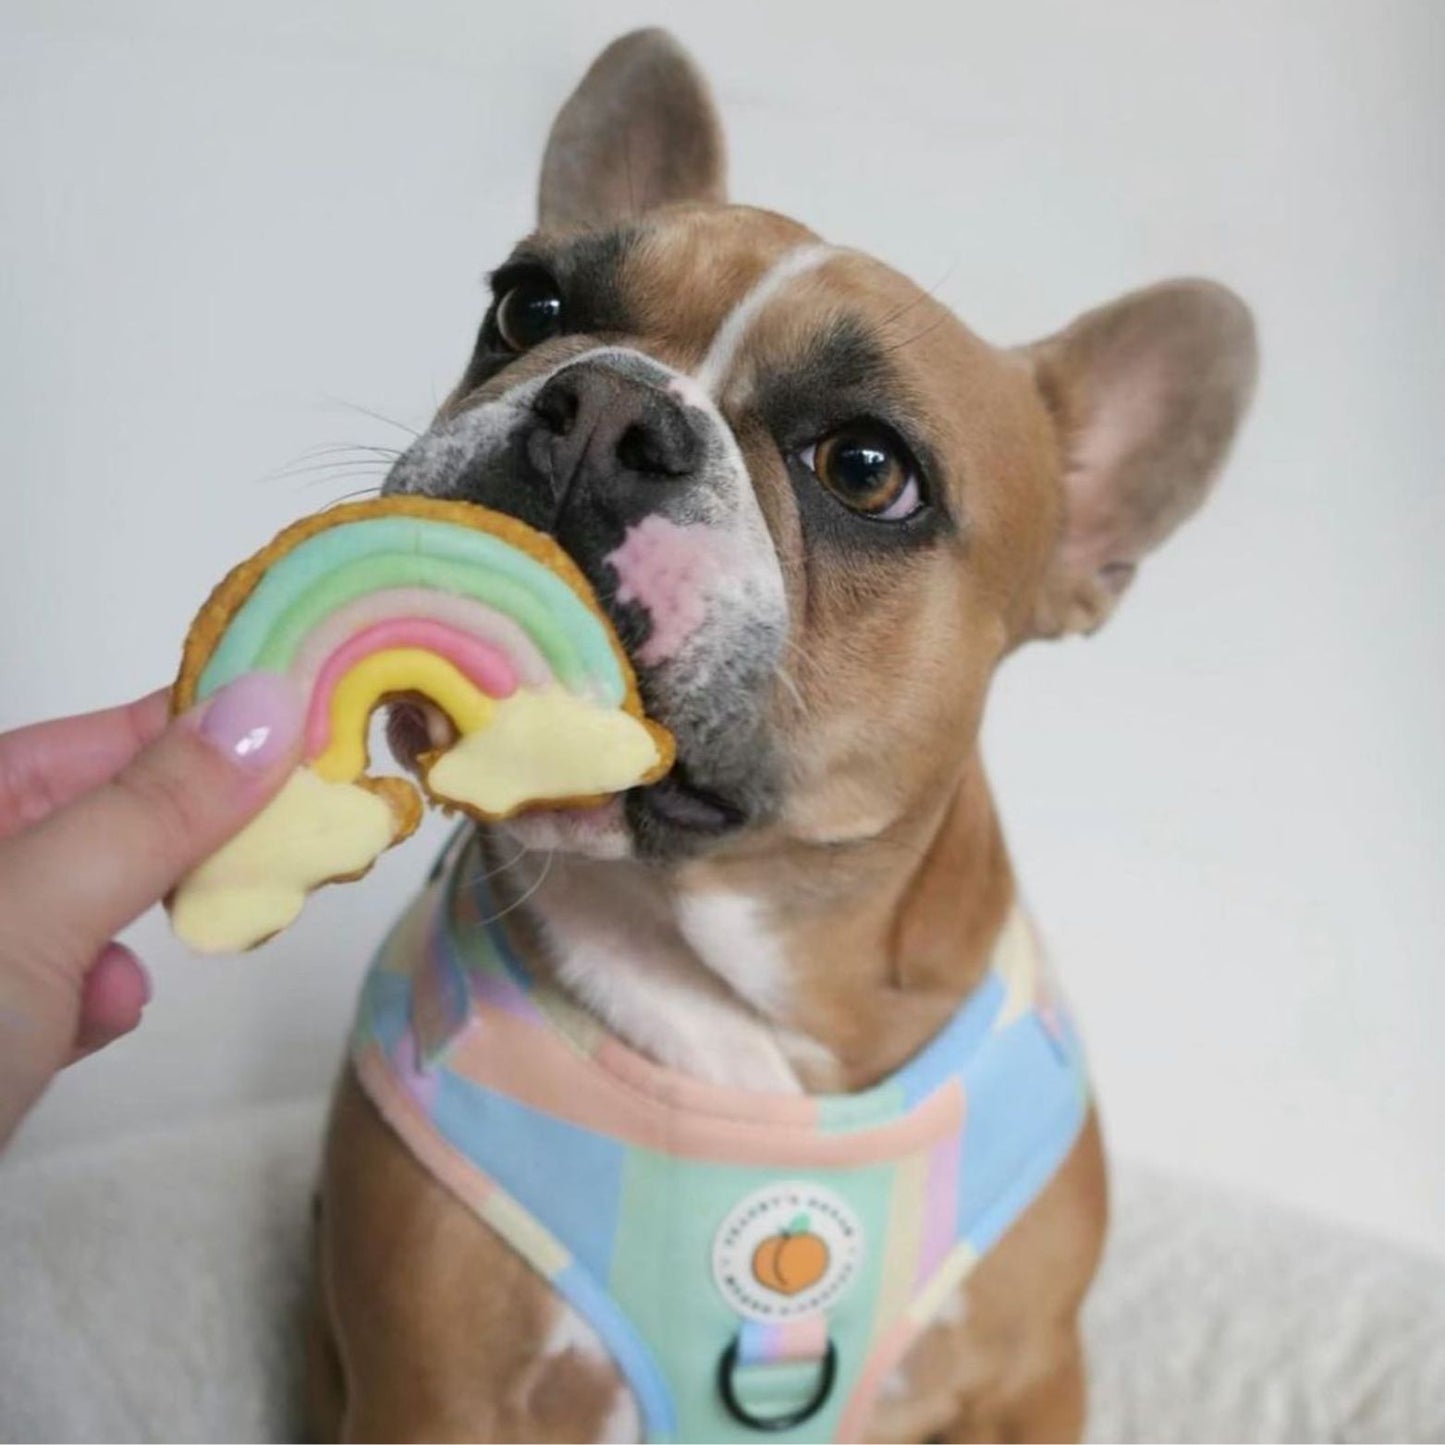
(754, 1111)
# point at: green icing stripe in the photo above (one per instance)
(334, 567)
(371, 574)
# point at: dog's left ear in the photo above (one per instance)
(1147, 393)
(639, 131)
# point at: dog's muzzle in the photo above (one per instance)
(634, 470)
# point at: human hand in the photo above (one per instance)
(101, 815)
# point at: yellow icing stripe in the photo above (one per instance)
(395, 670)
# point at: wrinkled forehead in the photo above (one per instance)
(743, 301)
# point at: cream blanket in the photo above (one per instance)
(148, 1290)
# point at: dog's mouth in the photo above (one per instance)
(679, 802)
(415, 725)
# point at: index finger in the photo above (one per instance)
(47, 764)
(74, 880)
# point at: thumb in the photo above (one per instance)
(94, 866)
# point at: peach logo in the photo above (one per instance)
(792, 1259)
(786, 1250)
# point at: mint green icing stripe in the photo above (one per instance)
(332, 568)
(371, 574)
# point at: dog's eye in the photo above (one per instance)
(868, 469)
(529, 313)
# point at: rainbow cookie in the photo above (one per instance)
(399, 597)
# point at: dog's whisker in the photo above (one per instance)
(290, 472)
(321, 464)
(368, 489)
(792, 688)
(516, 903)
(352, 496)
(331, 461)
(928, 295)
(481, 875)
(374, 479)
(324, 447)
(346, 474)
(803, 656)
(342, 475)
(917, 335)
(411, 431)
(786, 679)
(327, 471)
(357, 449)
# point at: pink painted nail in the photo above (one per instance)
(255, 720)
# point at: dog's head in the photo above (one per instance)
(817, 507)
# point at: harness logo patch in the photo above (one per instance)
(786, 1250)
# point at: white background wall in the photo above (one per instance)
(225, 226)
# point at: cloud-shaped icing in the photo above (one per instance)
(310, 832)
(535, 747)
(544, 746)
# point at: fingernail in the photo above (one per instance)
(254, 720)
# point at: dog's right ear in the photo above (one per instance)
(638, 132)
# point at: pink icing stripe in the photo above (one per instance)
(486, 665)
(463, 613)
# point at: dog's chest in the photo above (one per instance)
(746, 1258)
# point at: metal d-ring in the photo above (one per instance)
(726, 1364)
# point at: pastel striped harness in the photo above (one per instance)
(755, 1263)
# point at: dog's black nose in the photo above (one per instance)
(594, 424)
